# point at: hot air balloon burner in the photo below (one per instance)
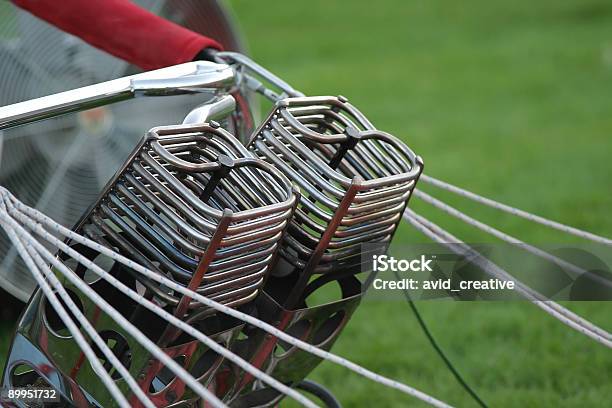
(195, 206)
(355, 182)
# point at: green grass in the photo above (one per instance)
(509, 99)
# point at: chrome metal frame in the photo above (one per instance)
(195, 205)
(184, 207)
(355, 182)
(191, 77)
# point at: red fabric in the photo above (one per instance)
(122, 29)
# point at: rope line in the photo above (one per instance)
(459, 247)
(181, 373)
(515, 211)
(497, 233)
(106, 380)
(260, 375)
(54, 226)
(508, 238)
(89, 329)
(494, 270)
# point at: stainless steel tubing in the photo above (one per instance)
(355, 182)
(195, 205)
(214, 110)
(191, 77)
(247, 72)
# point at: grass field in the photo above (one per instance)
(509, 99)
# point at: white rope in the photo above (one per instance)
(107, 381)
(495, 270)
(40, 217)
(515, 211)
(133, 331)
(435, 232)
(567, 317)
(89, 329)
(499, 234)
(246, 366)
(158, 353)
(508, 238)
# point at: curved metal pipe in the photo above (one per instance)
(217, 109)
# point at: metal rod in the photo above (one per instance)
(191, 77)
